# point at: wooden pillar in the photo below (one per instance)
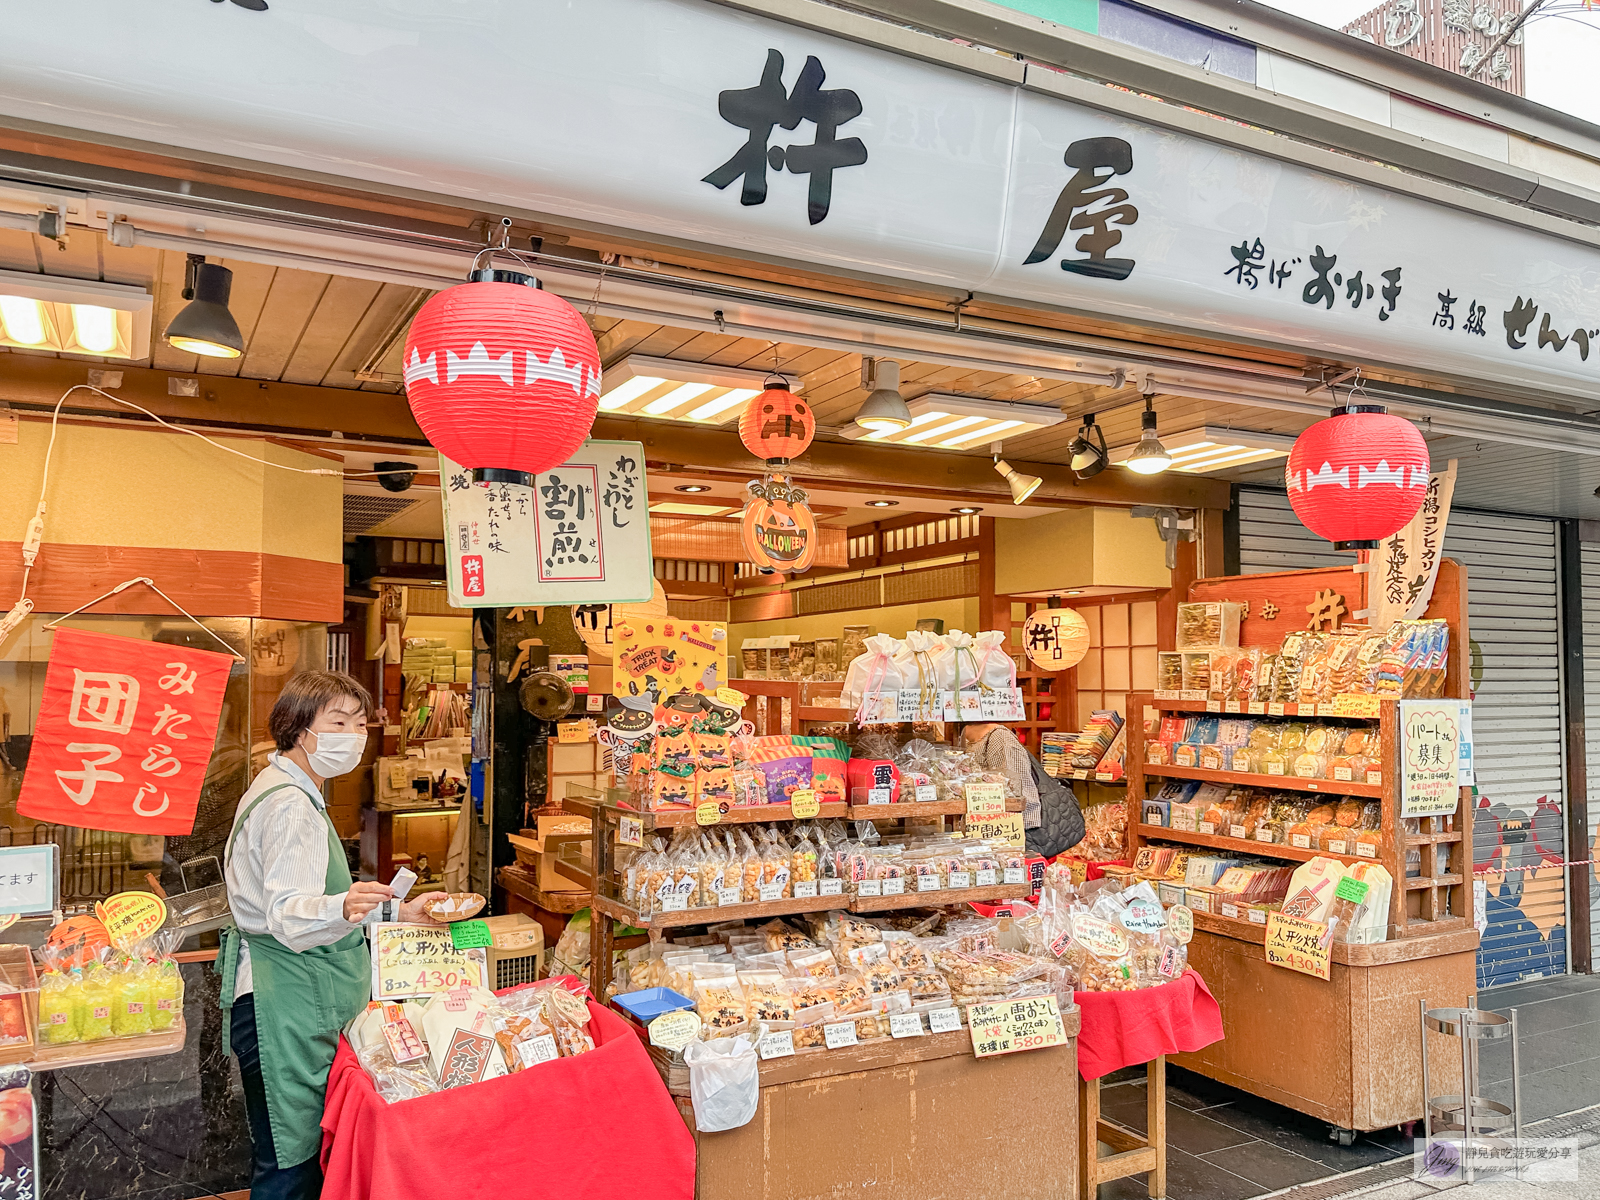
(994, 612)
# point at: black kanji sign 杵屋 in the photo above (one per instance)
(767, 106)
(1096, 161)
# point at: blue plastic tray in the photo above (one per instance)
(649, 1004)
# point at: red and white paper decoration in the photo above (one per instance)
(503, 378)
(1358, 477)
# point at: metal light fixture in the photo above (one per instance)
(883, 410)
(205, 326)
(1022, 486)
(944, 421)
(966, 510)
(1150, 457)
(882, 503)
(1088, 458)
(692, 487)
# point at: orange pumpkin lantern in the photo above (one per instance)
(777, 425)
(780, 532)
(78, 941)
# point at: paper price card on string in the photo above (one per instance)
(674, 1030)
(1031, 1024)
(415, 961)
(986, 799)
(131, 917)
(1298, 945)
(1180, 919)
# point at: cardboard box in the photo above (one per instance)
(536, 849)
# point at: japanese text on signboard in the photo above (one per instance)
(124, 734)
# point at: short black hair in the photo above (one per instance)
(304, 697)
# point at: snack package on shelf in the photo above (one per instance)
(1208, 625)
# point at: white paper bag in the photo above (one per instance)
(873, 672)
(920, 659)
(724, 1082)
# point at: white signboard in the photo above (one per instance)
(1406, 565)
(29, 884)
(579, 535)
(1430, 755)
(766, 137)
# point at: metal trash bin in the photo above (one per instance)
(1471, 1118)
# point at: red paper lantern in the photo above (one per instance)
(502, 376)
(1358, 477)
(777, 425)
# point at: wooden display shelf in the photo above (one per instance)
(521, 884)
(925, 808)
(83, 1054)
(1290, 709)
(1290, 783)
(761, 910)
(940, 897)
(1217, 841)
(755, 814)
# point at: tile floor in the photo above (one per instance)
(1224, 1144)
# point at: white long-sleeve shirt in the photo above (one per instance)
(278, 868)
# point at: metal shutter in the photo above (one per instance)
(1591, 705)
(1513, 617)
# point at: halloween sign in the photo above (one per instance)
(777, 425)
(779, 530)
(661, 656)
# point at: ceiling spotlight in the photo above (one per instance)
(1149, 457)
(1088, 458)
(205, 326)
(967, 509)
(882, 503)
(884, 410)
(692, 487)
(1022, 486)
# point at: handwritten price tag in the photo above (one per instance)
(803, 804)
(709, 813)
(944, 1020)
(1298, 945)
(1101, 938)
(986, 799)
(776, 1045)
(1180, 919)
(837, 1036)
(1348, 704)
(415, 961)
(904, 1025)
(675, 1030)
(130, 917)
(1031, 1024)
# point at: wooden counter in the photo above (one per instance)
(1347, 1049)
(896, 1118)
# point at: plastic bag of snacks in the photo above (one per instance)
(873, 673)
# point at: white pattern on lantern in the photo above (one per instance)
(478, 362)
(1328, 475)
(1380, 474)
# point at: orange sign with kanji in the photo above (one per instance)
(124, 734)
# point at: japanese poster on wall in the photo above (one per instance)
(579, 535)
(1430, 749)
(124, 734)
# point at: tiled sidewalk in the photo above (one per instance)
(1224, 1144)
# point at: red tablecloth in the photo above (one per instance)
(1123, 1029)
(551, 1131)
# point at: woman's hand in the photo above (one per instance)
(362, 898)
(414, 911)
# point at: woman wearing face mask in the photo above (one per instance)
(296, 969)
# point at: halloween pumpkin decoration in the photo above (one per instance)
(79, 941)
(780, 534)
(777, 425)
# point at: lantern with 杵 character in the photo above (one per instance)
(1358, 477)
(777, 425)
(502, 376)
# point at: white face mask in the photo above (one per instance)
(336, 753)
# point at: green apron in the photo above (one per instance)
(303, 999)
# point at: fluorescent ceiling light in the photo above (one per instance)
(1211, 448)
(74, 316)
(961, 422)
(678, 508)
(640, 386)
